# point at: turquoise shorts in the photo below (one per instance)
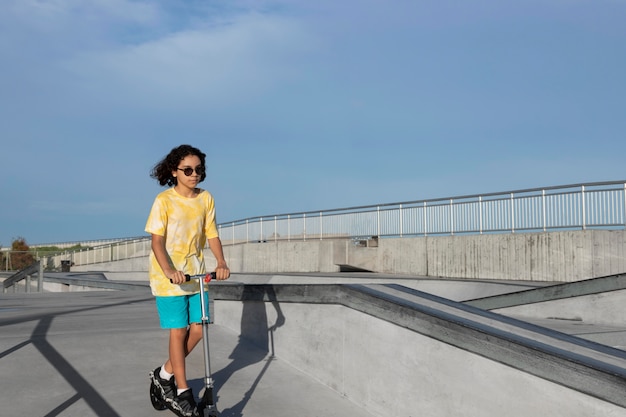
(178, 311)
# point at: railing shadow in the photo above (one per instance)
(256, 340)
(84, 390)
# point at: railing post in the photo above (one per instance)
(624, 204)
(583, 211)
(451, 217)
(424, 218)
(321, 227)
(401, 219)
(480, 214)
(40, 276)
(289, 228)
(543, 209)
(377, 220)
(512, 214)
(304, 226)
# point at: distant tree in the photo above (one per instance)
(3, 261)
(20, 255)
(47, 250)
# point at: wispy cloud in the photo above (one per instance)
(213, 66)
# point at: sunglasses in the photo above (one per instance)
(200, 170)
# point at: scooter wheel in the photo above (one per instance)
(207, 411)
(155, 398)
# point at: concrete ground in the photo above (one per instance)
(89, 354)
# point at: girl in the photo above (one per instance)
(182, 218)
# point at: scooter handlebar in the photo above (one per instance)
(205, 277)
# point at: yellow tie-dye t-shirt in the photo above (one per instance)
(186, 223)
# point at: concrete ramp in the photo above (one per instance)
(401, 352)
(592, 309)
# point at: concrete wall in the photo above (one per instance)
(394, 371)
(553, 256)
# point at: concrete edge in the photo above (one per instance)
(78, 281)
(552, 292)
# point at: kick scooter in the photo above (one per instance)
(206, 406)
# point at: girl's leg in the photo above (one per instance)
(182, 342)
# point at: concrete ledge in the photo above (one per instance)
(579, 301)
(553, 292)
(86, 282)
(429, 344)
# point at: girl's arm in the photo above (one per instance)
(163, 259)
(221, 271)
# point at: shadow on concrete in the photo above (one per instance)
(256, 340)
(38, 339)
(84, 390)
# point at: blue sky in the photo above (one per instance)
(299, 105)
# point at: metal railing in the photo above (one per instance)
(579, 206)
(568, 207)
(25, 275)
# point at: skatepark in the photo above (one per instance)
(324, 345)
(324, 315)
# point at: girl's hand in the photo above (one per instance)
(176, 277)
(222, 272)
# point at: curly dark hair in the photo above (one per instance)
(162, 171)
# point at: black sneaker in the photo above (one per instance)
(184, 405)
(166, 388)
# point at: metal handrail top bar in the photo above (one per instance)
(431, 200)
